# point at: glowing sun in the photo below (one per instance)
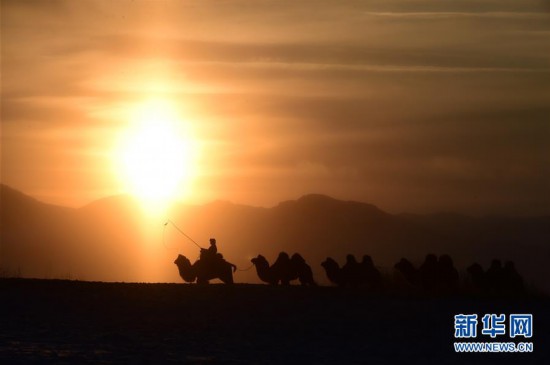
(155, 157)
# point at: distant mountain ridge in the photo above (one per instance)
(108, 240)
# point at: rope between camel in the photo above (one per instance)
(248, 268)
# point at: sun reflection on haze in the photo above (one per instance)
(156, 156)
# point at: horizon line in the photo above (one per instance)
(305, 195)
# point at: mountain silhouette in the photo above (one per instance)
(110, 240)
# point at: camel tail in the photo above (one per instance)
(234, 267)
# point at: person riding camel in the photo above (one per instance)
(211, 253)
(213, 249)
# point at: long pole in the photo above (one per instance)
(183, 233)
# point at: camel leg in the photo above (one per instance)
(227, 276)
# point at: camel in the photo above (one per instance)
(204, 270)
(409, 272)
(435, 276)
(512, 279)
(496, 280)
(263, 270)
(353, 273)
(334, 272)
(477, 278)
(447, 275)
(372, 277)
(284, 270)
(302, 270)
(428, 273)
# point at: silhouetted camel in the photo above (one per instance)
(437, 276)
(354, 274)
(409, 272)
(284, 270)
(351, 272)
(302, 270)
(263, 270)
(477, 278)
(512, 279)
(433, 276)
(446, 275)
(495, 277)
(205, 270)
(372, 277)
(428, 273)
(333, 271)
(497, 280)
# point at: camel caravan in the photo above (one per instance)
(436, 275)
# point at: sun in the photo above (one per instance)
(155, 157)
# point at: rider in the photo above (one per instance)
(211, 253)
(213, 249)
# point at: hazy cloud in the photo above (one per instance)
(385, 101)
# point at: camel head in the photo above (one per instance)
(475, 269)
(260, 261)
(367, 261)
(330, 264)
(185, 268)
(333, 270)
(445, 261)
(404, 265)
(182, 261)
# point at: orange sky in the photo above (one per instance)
(410, 105)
